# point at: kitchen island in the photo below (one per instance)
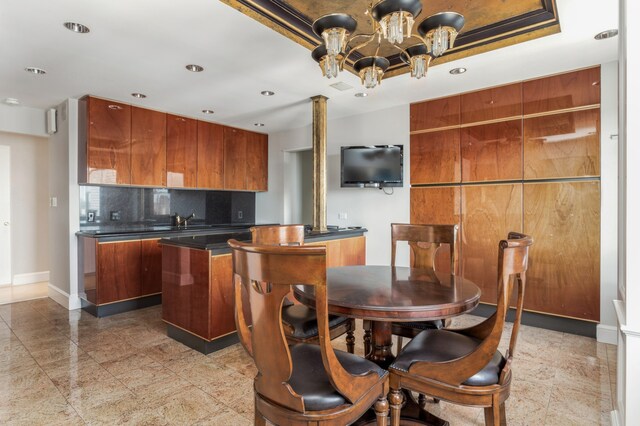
(197, 282)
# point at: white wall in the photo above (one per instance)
(368, 207)
(64, 218)
(29, 206)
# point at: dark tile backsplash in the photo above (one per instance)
(117, 206)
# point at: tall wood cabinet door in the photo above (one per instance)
(182, 151)
(568, 90)
(148, 147)
(491, 152)
(210, 155)
(435, 157)
(489, 213)
(491, 104)
(119, 271)
(564, 262)
(151, 267)
(109, 142)
(562, 145)
(257, 161)
(222, 320)
(437, 206)
(235, 158)
(353, 251)
(435, 114)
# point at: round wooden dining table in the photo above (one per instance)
(387, 294)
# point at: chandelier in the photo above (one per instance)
(392, 22)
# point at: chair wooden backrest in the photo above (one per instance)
(278, 235)
(425, 240)
(513, 261)
(267, 273)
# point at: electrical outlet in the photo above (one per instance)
(342, 216)
(239, 214)
(115, 216)
(91, 216)
(53, 202)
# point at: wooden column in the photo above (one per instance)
(319, 163)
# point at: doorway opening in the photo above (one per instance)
(298, 187)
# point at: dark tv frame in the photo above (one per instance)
(370, 184)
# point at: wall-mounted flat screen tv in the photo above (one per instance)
(374, 166)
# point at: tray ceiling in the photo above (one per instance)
(490, 24)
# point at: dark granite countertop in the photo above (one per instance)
(137, 232)
(217, 243)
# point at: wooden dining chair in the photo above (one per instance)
(301, 384)
(424, 242)
(299, 320)
(464, 366)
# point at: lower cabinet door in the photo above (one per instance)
(119, 271)
(151, 267)
(222, 320)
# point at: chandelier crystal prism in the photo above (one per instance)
(392, 22)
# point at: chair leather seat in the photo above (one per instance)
(420, 325)
(305, 321)
(309, 378)
(445, 345)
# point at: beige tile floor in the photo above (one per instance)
(59, 367)
(19, 293)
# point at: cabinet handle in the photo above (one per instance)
(116, 107)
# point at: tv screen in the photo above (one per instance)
(374, 166)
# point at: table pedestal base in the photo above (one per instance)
(412, 414)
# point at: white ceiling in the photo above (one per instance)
(144, 45)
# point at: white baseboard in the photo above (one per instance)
(63, 298)
(607, 334)
(30, 278)
(615, 418)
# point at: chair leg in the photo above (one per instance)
(367, 337)
(351, 342)
(382, 411)
(259, 420)
(395, 401)
(399, 345)
(495, 415)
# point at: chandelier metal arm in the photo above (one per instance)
(359, 46)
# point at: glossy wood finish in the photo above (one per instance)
(345, 251)
(235, 161)
(564, 277)
(266, 274)
(385, 293)
(491, 104)
(108, 142)
(186, 289)
(568, 90)
(491, 152)
(445, 379)
(257, 159)
(435, 157)
(562, 145)
(148, 147)
(285, 235)
(210, 155)
(489, 212)
(151, 265)
(434, 114)
(221, 305)
(182, 152)
(118, 271)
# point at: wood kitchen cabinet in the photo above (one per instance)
(491, 104)
(151, 264)
(148, 147)
(235, 159)
(344, 252)
(210, 155)
(104, 142)
(435, 157)
(182, 152)
(569, 90)
(435, 114)
(118, 271)
(257, 161)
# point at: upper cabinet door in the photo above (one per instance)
(211, 155)
(491, 104)
(148, 147)
(235, 158)
(108, 142)
(435, 114)
(435, 157)
(569, 90)
(257, 161)
(182, 151)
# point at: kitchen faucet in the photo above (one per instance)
(179, 220)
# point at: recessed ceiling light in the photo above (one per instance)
(606, 34)
(361, 95)
(11, 101)
(259, 124)
(459, 70)
(34, 70)
(139, 95)
(267, 93)
(76, 28)
(207, 111)
(194, 68)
